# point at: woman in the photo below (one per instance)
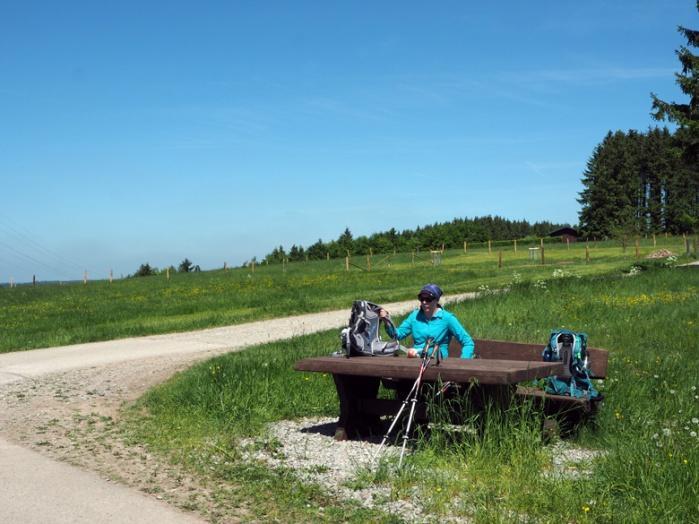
(430, 320)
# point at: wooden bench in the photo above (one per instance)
(496, 371)
(503, 350)
(486, 382)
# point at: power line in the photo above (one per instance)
(36, 261)
(56, 262)
(28, 237)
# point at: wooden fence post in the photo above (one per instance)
(500, 259)
(167, 274)
(225, 266)
(85, 277)
(253, 266)
(368, 262)
(33, 280)
(327, 255)
(465, 246)
(541, 242)
(567, 243)
(111, 276)
(413, 261)
(489, 247)
(587, 255)
(515, 242)
(542, 255)
(347, 263)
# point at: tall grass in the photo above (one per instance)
(646, 432)
(49, 315)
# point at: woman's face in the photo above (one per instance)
(428, 304)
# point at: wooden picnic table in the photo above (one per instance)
(457, 370)
(357, 381)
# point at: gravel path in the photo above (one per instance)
(62, 404)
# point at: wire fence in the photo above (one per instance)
(497, 252)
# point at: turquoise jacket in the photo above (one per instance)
(441, 327)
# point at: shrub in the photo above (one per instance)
(145, 270)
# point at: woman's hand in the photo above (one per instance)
(412, 353)
(383, 313)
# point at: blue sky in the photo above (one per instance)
(154, 131)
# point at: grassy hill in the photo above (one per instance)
(50, 315)
(640, 454)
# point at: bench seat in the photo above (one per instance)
(504, 350)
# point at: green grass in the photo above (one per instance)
(648, 469)
(50, 315)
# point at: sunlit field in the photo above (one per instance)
(53, 314)
(642, 448)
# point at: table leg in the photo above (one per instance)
(351, 390)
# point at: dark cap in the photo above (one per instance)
(430, 289)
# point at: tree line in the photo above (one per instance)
(640, 183)
(186, 266)
(448, 235)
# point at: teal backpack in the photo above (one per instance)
(570, 348)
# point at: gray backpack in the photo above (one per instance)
(361, 337)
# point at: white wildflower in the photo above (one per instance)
(667, 432)
(540, 284)
(692, 433)
(695, 420)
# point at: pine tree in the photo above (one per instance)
(682, 198)
(607, 208)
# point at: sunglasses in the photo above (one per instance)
(426, 298)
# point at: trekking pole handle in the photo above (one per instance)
(430, 342)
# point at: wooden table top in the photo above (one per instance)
(484, 371)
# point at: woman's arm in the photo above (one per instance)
(467, 344)
(404, 330)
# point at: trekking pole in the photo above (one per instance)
(426, 357)
(412, 393)
(395, 420)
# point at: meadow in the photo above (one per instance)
(51, 314)
(646, 462)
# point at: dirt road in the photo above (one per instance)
(60, 404)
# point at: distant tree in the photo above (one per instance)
(345, 241)
(185, 266)
(145, 270)
(276, 256)
(317, 251)
(682, 207)
(451, 234)
(296, 253)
